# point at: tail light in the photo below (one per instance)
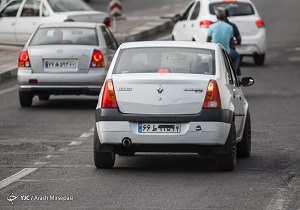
(109, 97)
(163, 70)
(260, 23)
(205, 23)
(212, 98)
(24, 59)
(97, 59)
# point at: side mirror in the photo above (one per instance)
(247, 81)
(176, 18)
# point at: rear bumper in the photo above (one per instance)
(254, 44)
(61, 83)
(113, 126)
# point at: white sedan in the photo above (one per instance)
(19, 18)
(193, 25)
(172, 97)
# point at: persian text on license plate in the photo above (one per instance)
(159, 128)
(60, 64)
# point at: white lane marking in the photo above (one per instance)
(297, 48)
(16, 177)
(294, 59)
(75, 143)
(278, 201)
(52, 156)
(86, 135)
(8, 90)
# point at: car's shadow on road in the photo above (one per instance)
(66, 103)
(166, 162)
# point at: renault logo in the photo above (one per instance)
(159, 89)
(59, 51)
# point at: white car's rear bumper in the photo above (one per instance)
(212, 133)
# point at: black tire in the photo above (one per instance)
(244, 147)
(44, 97)
(228, 162)
(25, 99)
(102, 159)
(259, 59)
(173, 38)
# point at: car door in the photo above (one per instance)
(28, 20)
(236, 93)
(181, 26)
(191, 23)
(8, 17)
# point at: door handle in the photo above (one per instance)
(192, 25)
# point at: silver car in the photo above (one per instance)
(65, 58)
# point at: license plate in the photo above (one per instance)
(159, 128)
(60, 64)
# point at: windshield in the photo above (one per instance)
(235, 9)
(165, 60)
(69, 5)
(71, 36)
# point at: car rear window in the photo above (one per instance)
(63, 35)
(165, 60)
(69, 5)
(235, 9)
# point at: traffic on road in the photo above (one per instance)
(172, 124)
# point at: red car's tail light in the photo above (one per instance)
(260, 23)
(205, 23)
(212, 98)
(109, 99)
(24, 59)
(97, 59)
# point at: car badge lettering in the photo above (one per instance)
(125, 89)
(59, 51)
(160, 89)
(196, 90)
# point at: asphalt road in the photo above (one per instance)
(52, 143)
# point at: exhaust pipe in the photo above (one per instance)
(126, 142)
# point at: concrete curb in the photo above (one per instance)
(137, 34)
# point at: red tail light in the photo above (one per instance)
(24, 59)
(212, 98)
(109, 97)
(97, 59)
(260, 23)
(205, 23)
(163, 70)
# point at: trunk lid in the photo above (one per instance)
(180, 93)
(59, 58)
(246, 24)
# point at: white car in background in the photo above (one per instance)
(69, 58)
(19, 18)
(172, 97)
(193, 25)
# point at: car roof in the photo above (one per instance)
(71, 24)
(184, 44)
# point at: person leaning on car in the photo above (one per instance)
(235, 41)
(221, 32)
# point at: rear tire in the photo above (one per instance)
(244, 147)
(102, 159)
(259, 59)
(228, 162)
(25, 99)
